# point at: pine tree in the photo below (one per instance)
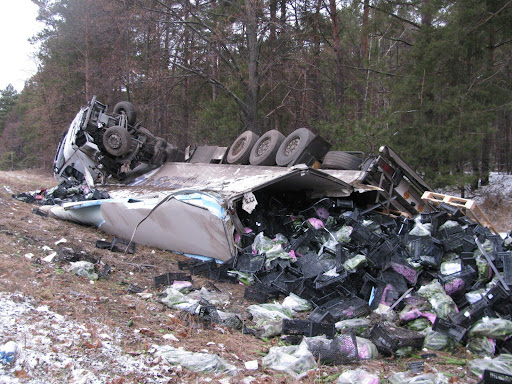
(8, 99)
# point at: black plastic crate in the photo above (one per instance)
(171, 277)
(497, 242)
(468, 258)
(208, 312)
(437, 219)
(267, 278)
(306, 291)
(261, 293)
(321, 301)
(466, 276)
(308, 328)
(454, 243)
(388, 338)
(373, 289)
(426, 251)
(454, 211)
(203, 267)
(449, 329)
(222, 275)
(321, 315)
(286, 281)
(492, 377)
(506, 259)
(303, 239)
(348, 309)
(497, 296)
(404, 269)
(250, 263)
(381, 254)
(468, 243)
(322, 281)
(471, 314)
(310, 265)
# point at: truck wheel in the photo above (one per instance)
(292, 147)
(265, 149)
(341, 160)
(117, 141)
(126, 108)
(240, 151)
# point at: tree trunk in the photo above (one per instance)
(252, 65)
(333, 12)
(364, 37)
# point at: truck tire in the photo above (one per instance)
(293, 146)
(240, 151)
(117, 141)
(341, 160)
(126, 108)
(265, 149)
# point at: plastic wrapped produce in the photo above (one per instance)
(297, 304)
(357, 325)
(502, 364)
(269, 311)
(358, 376)
(197, 362)
(351, 265)
(419, 324)
(482, 346)
(442, 304)
(295, 360)
(494, 328)
(426, 378)
(437, 341)
(366, 349)
(84, 269)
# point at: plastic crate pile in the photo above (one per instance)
(349, 263)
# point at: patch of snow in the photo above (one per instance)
(50, 348)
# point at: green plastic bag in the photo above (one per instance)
(499, 329)
(501, 364)
(442, 304)
(482, 346)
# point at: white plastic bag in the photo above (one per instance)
(358, 376)
(296, 360)
(197, 362)
(296, 303)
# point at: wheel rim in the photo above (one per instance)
(292, 145)
(239, 145)
(115, 141)
(263, 147)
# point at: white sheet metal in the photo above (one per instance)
(174, 225)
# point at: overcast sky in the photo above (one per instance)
(17, 24)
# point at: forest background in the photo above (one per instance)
(430, 78)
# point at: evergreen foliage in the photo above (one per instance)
(430, 78)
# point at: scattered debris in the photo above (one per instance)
(197, 362)
(296, 360)
(117, 245)
(8, 352)
(357, 376)
(68, 190)
(84, 269)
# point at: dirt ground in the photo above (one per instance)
(107, 307)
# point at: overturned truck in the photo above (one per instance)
(194, 200)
